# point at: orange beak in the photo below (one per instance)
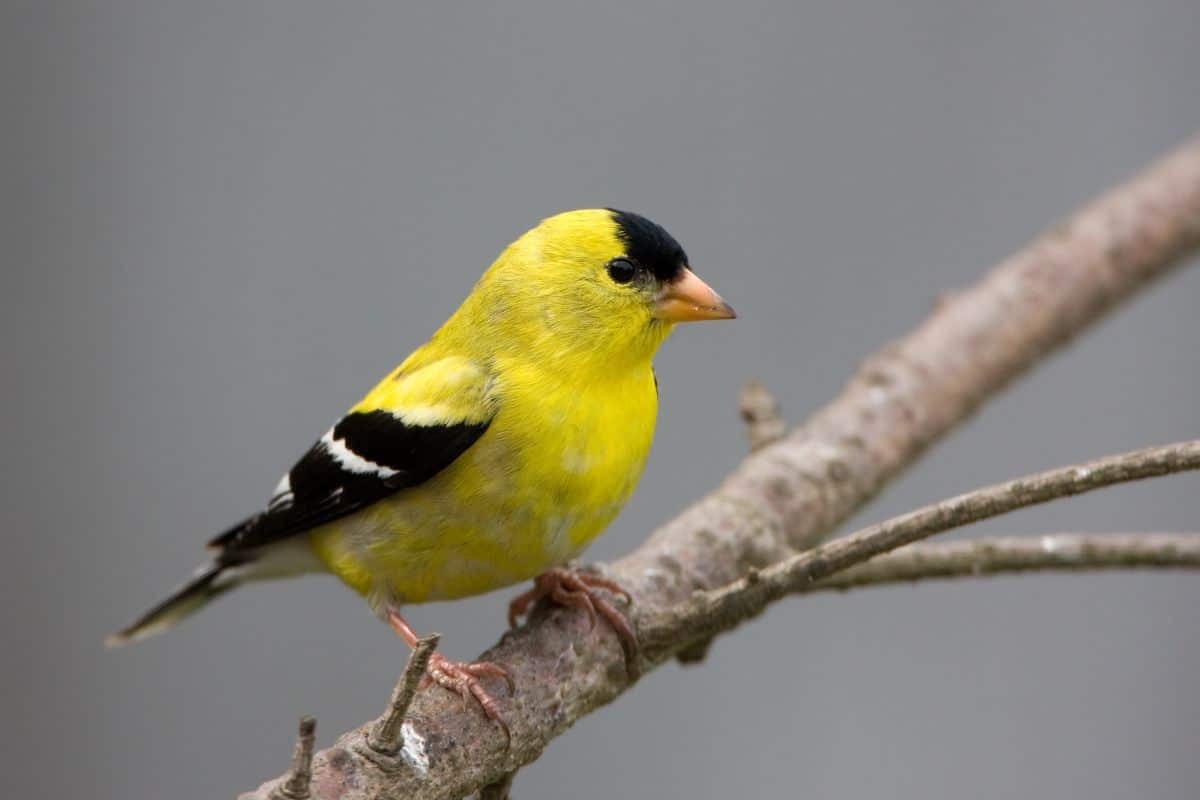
(689, 299)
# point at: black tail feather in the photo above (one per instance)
(209, 583)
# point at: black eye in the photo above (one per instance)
(621, 270)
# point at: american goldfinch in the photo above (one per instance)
(495, 452)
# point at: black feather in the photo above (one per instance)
(193, 595)
(322, 490)
(649, 246)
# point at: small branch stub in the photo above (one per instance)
(295, 783)
(760, 412)
(385, 736)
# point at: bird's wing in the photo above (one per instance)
(410, 427)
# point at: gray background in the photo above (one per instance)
(224, 221)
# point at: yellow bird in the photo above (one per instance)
(496, 452)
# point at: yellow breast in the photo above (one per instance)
(553, 469)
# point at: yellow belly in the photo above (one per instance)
(553, 469)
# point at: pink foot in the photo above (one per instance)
(457, 676)
(568, 587)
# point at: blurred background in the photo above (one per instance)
(226, 220)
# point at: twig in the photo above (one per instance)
(385, 735)
(1015, 554)
(710, 613)
(295, 784)
(760, 412)
(791, 494)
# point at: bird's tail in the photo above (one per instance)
(209, 582)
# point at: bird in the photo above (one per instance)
(495, 452)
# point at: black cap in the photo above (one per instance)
(649, 246)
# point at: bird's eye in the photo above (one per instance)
(621, 270)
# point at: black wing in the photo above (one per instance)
(364, 458)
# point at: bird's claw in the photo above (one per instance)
(463, 679)
(568, 587)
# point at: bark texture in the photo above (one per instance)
(709, 613)
(791, 493)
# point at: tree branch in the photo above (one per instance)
(790, 494)
(709, 613)
(1015, 554)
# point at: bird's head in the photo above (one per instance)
(606, 283)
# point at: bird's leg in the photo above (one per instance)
(569, 587)
(458, 676)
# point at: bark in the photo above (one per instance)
(708, 613)
(790, 494)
